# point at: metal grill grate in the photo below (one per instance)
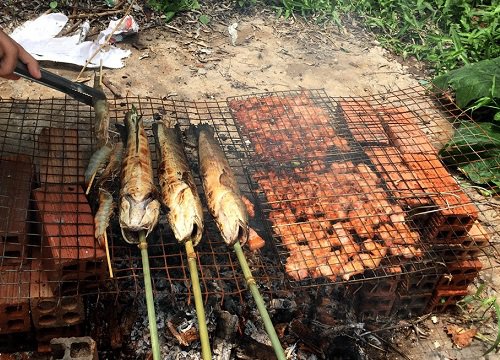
(353, 188)
(335, 180)
(53, 141)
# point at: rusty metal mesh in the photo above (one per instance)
(346, 190)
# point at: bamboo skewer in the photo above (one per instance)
(153, 330)
(198, 301)
(278, 350)
(108, 259)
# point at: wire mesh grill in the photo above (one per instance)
(45, 146)
(347, 190)
(353, 188)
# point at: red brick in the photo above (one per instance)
(459, 275)
(478, 236)
(376, 306)
(69, 246)
(61, 158)
(444, 300)
(407, 306)
(48, 309)
(15, 187)
(403, 130)
(398, 177)
(364, 122)
(381, 287)
(14, 300)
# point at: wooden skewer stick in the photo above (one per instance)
(90, 183)
(108, 258)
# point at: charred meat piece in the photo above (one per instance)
(219, 183)
(139, 207)
(178, 190)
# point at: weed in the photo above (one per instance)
(479, 311)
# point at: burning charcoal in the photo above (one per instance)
(250, 349)
(283, 304)
(227, 325)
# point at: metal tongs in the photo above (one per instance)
(80, 92)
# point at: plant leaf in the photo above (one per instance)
(472, 82)
(53, 5)
(204, 19)
(461, 337)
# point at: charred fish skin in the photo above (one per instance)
(139, 207)
(221, 188)
(178, 189)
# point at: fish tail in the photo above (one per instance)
(205, 127)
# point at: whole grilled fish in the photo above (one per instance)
(223, 195)
(139, 207)
(178, 190)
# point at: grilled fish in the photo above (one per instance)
(101, 109)
(178, 190)
(223, 195)
(139, 207)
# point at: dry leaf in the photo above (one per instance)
(461, 337)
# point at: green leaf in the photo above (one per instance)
(475, 151)
(472, 82)
(204, 19)
(53, 5)
(497, 341)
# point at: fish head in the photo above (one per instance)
(186, 217)
(138, 215)
(232, 219)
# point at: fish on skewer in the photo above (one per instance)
(138, 204)
(101, 109)
(178, 189)
(221, 188)
(97, 162)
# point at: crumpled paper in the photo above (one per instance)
(38, 37)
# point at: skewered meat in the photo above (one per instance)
(221, 188)
(103, 215)
(97, 162)
(178, 190)
(139, 207)
(101, 109)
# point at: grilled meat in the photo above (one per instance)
(139, 207)
(103, 215)
(178, 190)
(223, 195)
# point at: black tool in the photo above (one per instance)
(80, 92)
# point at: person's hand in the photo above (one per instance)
(10, 53)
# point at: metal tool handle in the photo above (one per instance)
(77, 91)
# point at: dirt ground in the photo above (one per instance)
(199, 63)
(269, 55)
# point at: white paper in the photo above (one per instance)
(38, 37)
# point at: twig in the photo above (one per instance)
(87, 62)
(72, 28)
(108, 258)
(95, 15)
(116, 92)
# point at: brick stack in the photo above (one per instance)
(15, 186)
(14, 301)
(69, 248)
(376, 300)
(443, 213)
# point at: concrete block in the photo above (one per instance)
(77, 348)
